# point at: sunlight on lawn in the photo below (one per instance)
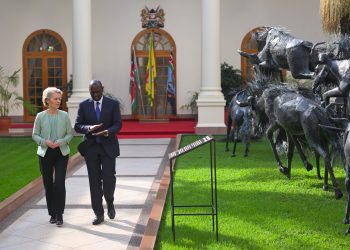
(258, 207)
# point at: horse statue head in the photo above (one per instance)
(259, 36)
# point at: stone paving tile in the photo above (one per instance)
(142, 151)
(81, 171)
(37, 245)
(107, 244)
(129, 193)
(9, 240)
(137, 166)
(19, 223)
(42, 232)
(163, 141)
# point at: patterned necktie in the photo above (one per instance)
(98, 111)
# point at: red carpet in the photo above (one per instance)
(21, 125)
(139, 129)
(168, 129)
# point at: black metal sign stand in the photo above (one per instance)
(213, 205)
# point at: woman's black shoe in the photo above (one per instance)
(98, 220)
(53, 219)
(59, 220)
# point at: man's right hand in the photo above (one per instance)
(92, 128)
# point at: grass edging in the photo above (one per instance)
(16, 200)
(150, 235)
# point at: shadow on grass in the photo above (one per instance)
(258, 207)
(300, 175)
(248, 219)
(194, 236)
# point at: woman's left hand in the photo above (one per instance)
(52, 144)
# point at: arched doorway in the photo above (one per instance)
(44, 65)
(249, 45)
(164, 105)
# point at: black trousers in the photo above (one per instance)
(55, 189)
(101, 171)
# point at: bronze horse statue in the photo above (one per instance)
(278, 49)
(299, 117)
(336, 72)
(241, 120)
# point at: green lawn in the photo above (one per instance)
(258, 207)
(19, 163)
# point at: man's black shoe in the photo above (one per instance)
(59, 220)
(98, 220)
(111, 211)
(53, 219)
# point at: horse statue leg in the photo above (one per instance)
(323, 151)
(235, 139)
(347, 208)
(307, 164)
(321, 146)
(317, 157)
(247, 132)
(347, 179)
(347, 186)
(269, 134)
(246, 149)
(229, 124)
(328, 170)
(290, 152)
(338, 194)
(325, 181)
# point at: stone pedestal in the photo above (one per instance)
(211, 114)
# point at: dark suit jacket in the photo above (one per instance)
(111, 119)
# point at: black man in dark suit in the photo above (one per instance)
(99, 120)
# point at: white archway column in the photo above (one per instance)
(82, 70)
(211, 101)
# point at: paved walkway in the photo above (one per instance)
(139, 170)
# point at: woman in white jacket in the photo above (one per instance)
(52, 132)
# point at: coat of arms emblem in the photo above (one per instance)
(152, 18)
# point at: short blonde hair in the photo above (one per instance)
(48, 92)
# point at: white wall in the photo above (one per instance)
(19, 18)
(115, 23)
(238, 17)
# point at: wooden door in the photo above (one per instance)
(44, 65)
(164, 106)
(248, 45)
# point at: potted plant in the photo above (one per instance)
(192, 104)
(9, 98)
(231, 80)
